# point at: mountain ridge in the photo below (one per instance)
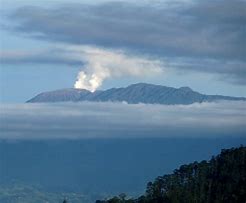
(132, 94)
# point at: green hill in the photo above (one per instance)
(222, 179)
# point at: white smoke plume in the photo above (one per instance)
(102, 64)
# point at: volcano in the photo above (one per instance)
(132, 94)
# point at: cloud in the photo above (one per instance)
(203, 36)
(225, 70)
(117, 60)
(42, 56)
(178, 29)
(119, 120)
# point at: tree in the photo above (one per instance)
(222, 179)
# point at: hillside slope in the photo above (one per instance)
(222, 179)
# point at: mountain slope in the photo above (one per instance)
(133, 94)
(222, 179)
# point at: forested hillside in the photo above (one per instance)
(222, 179)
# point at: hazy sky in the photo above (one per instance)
(45, 44)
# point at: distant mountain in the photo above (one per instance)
(133, 94)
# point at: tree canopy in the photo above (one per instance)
(222, 179)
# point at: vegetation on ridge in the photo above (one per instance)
(222, 179)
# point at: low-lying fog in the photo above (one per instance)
(121, 120)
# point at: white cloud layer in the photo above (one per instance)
(119, 120)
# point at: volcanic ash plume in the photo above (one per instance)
(101, 64)
(91, 81)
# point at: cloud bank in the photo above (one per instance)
(203, 36)
(119, 120)
(192, 28)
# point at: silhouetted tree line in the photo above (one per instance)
(222, 179)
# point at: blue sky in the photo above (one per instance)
(44, 45)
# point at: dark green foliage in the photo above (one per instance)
(222, 179)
